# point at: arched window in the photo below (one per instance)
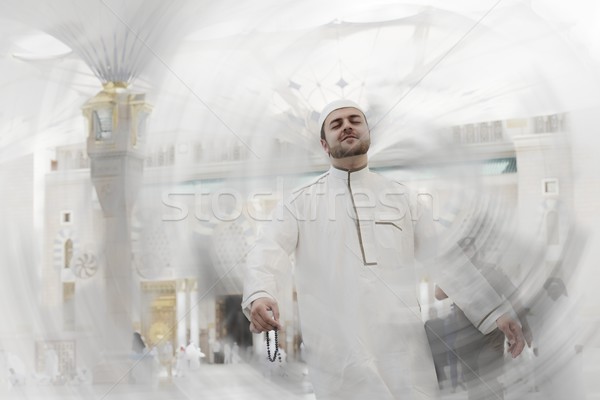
(68, 253)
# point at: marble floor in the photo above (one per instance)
(216, 381)
(243, 382)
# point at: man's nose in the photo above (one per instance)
(346, 125)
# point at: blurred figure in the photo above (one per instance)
(166, 358)
(51, 364)
(17, 371)
(138, 346)
(227, 353)
(82, 377)
(434, 328)
(181, 363)
(152, 365)
(15, 378)
(193, 354)
(218, 352)
(482, 359)
(558, 348)
(482, 356)
(235, 353)
(143, 368)
(453, 364)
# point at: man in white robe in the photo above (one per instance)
(355, 244)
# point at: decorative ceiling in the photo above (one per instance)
(232, 73)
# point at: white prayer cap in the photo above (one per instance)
(336, 105)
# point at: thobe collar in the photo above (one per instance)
(344, 174)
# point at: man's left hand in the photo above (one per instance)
(514, 334)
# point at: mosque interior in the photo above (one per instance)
(143, 145)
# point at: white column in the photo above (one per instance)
(194, 312)
(181, 319)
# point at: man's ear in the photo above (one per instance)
(325, 146)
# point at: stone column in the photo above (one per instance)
(181, 313)
(115, 131)
(194, 313)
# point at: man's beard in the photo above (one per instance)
(356, 150)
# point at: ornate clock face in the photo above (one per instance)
(85, 265)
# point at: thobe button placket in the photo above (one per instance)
(368, 239)
(364, 228)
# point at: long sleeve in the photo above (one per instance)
(270, 258)
(468, 288)
(446, 263)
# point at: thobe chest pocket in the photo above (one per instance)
(394, 241)
(388, 233)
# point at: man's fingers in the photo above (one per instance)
(516, 340)
(264, 321)
(267, 322)
(269, 318)
(520, 347)
(253, 328)
(514, 334)
(259, 325)
(264, 315)
(517, 347)
(275, 310)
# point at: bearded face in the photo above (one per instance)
(349, 148)
(346, 133)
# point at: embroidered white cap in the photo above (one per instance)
(336, 105)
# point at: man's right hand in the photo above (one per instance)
(264, 315)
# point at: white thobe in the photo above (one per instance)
(356, 282)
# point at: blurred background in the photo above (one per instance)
(144, 144)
